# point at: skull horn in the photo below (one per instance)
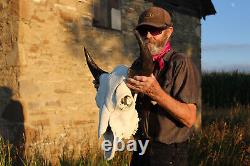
(144, 64)
(94, 69)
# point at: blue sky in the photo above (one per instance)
(226, 37)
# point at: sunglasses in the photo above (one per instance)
(153, 31)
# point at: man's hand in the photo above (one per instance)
(146, 85)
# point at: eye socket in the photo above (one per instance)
(127, 101)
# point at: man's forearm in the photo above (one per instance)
(185, 113)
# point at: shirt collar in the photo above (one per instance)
(167, 56)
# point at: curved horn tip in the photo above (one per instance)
(94, 69)
(85, 51)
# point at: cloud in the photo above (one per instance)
(221, 47)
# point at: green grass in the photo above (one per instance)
(220, 89)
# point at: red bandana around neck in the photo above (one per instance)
(159, 57)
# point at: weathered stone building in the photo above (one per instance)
(46, 91)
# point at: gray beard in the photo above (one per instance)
(154, 48)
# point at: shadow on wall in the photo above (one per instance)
(12, 123)
(104, 43)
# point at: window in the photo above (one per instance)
(107, 14)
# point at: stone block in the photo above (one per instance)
(28, 89)
(55, 103)
(37, 113)
(43, 122)
(26, 10)
(67, 13)
(85, 21)
(83, 122)
(33, 105)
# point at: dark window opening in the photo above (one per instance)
(107, 14)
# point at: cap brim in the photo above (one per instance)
(150, 24)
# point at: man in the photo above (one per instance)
(168, 98)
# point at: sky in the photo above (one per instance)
(226, 37)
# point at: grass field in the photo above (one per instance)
(220, 89)
(224, 138)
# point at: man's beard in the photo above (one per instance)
(154, 46)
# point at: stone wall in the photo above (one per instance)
(11, 127)
(44, 73)
(8, 49)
